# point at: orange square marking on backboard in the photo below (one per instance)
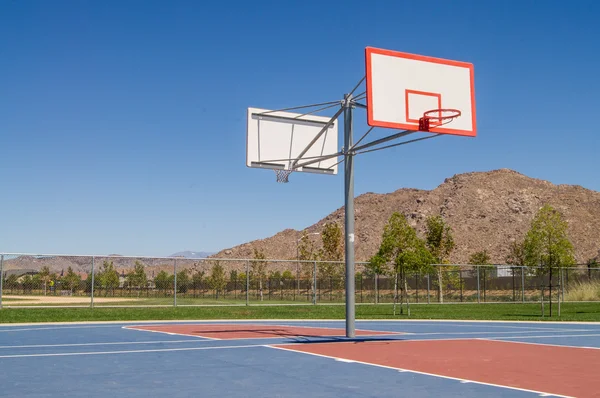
(407, 93)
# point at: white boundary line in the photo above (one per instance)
(133, 327)
(516, 332)
(500, 339)
(5, 330)
(67, 354)
(102, 344)
(338, 359)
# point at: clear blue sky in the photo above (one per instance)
(122, 123)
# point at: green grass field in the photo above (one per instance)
(508, 312)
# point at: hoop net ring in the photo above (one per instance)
(437, 117)
(282, 175)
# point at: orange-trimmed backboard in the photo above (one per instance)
(402, 86)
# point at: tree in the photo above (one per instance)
(162, 281)
(27, 283)
(406, 252)
(217, 279)
(480, 258)
(108, 277)
(516, 256)
(306, 252)
(332, 250)
(197, 279)
(547, 245)
(258, 268)
(137, 278)
(71, 280)
(592, 263)
(377, 265)
(183, 281)
(11, 282)
(44, 276)
(287, 275)
(440, 242)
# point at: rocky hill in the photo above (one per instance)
(486, 210)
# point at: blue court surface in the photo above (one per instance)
(114, 360)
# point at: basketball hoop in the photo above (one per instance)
(282, 175)
(437, 117)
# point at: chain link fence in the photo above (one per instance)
(84, 281)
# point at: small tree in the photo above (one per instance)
(11, 282)
(516, 256)
(377, 265)
(233, 280)
(163, 281)
(306, 252)
(440, 242)
(481, 260)
(71, 280)
(27, 283)
(137, 278)
(108, 277)
(217, 278)
(258, 269)
(547, 245)
(197, 279)
(332, 250)
(407, 253)
(45, 276)
(183, 281)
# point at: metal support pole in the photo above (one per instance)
(1, 277)
(478, 290)
(315, 283)
(247, 283)
(175, 283)
(349, 216)
(92, 288)
(522, 284)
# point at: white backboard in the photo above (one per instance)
(275, 139)
(402, 86)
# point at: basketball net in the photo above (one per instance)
(282, 175)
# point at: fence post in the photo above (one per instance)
(478, 290)
(514, 284)
(460, 281)
(175, 283)
(542, 299)
(522, 284)
(247, 283)
(92, 288)
(315, 283)
(376, 288)
(1, 277)
(417, 277)
(428, 302)
(559, 299)
(562, 285)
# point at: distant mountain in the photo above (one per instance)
(190, 254)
